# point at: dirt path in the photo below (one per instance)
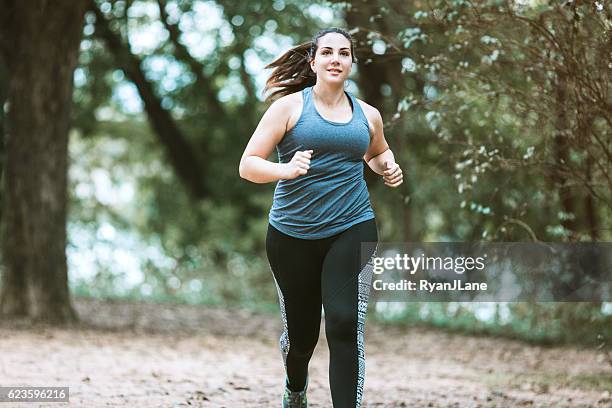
(144, 355)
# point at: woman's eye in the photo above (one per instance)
(327, 52)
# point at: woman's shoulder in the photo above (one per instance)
(288, 103)
(292, 97)
(284, 108)
(291, 104)
(368, 109)
(371, 113)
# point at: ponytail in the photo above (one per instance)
(292, 73)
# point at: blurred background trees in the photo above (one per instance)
(497, 110)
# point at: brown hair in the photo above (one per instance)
(292, 71)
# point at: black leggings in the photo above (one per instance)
(328, 272)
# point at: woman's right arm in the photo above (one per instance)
(254, 165)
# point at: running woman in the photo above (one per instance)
(321, 211)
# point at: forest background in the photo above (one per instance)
(123, 123)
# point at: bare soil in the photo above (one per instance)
(126, 354)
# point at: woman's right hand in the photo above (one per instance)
(299, 164)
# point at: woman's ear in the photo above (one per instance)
(312, 65)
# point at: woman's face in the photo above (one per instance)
(333, 60)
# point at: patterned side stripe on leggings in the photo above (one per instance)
(284, 338)
(365, 279)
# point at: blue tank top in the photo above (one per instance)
(332, 195)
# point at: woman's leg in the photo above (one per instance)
(345, 289)
(296, 267)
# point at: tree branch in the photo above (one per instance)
(182, 156)
(182, 53)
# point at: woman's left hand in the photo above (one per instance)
(393, 175)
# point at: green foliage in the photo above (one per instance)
(514, 105)
(586, 323)
(189, 251)
(472, 117)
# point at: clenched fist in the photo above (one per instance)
(393, 175)
(299, 164)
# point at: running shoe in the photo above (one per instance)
(295, 399)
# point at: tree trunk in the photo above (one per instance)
(590, 206)
(44, 40)
(562, 156)
(5, 49)
(3, 96)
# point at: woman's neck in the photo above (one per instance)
(330, 96)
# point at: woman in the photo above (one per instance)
(321, 212)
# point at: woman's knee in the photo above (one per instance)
(303, 348)
(341, 326)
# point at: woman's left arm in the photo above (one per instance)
(379, 156)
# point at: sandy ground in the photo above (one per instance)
(145, 355)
